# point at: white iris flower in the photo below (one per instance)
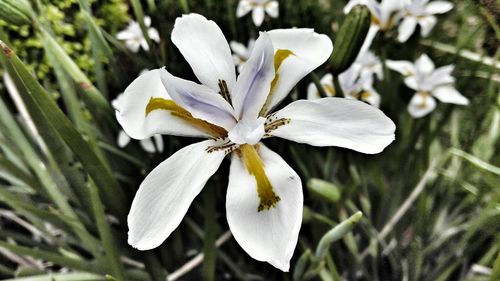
(384, 15)
(420, 12)
(264, 198)
(241, 53)
(259, 8)
(429, 82)
(133, 37)
(356, 82)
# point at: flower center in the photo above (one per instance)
(248, 131)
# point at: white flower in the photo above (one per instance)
(327, 84)
(264, 198)
(356, 82)
(134, 39)
(123, 139)
(241, 53)
(420, 12)
(259, 8)
(384, 16)
(428, 82)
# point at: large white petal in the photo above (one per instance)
(267, 235)
(205, 48)
(336, 122)
(406, 28)
(167, 192)
(438, 7)
(201, 101)
(131, 110)
(442, 75)
(310, 50)
(421, 105)
(448, 94)
(253, 84)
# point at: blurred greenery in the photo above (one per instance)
(430, 201)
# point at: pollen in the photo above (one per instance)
(255, 166)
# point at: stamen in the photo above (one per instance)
(224, 91)
(178, 111)
(228, 147)
(330, 90)
(255, 167)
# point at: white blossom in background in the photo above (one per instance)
(241, 53)
(134, 38)
(420, 12)
(356, 82)
(147, 144)
(429, 82)
(327, 83)
(264, 200)
(385, 15)
(259, 8)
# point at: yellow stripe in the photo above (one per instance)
(255, 167)
(177, 111)
(279, 57)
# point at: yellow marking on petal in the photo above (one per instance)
(365, 95)
(330, 90)
(424, 99)
(255, 167)
(178, 111)
(280, 56)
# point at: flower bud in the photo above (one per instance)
(16, 12)
(350, 38)
(324, 189)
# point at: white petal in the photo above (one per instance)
(269, 235)
(133, 45)
(336, 122)
(167, 192)
(154, 35)
(123, 139)
(448, 94)
(272, 9)
(159, 142)
(258, 15)
(131, 110)
(147, 21)
(201, 101)
(205, 48)
(421, 105)
(125, 35)
(427, 23)
(372, 32)
(144, 44)
(438, 7)
(404, 67)
(244, 6)
(148, 145)
(312, 92)
(253, 84)
(441, 76)
(310, 50)
(424, 64)
(406, 28)
(239, 49)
